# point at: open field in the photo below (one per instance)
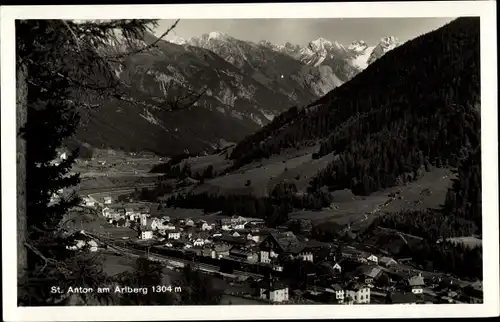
(95, 223)
(361, 211)
(262, 176)
(218, 161)
(469, 241)
(116, 264)
(177, 213)
(107, 183)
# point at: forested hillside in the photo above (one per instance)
(416, 106)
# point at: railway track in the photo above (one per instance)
(170, 260)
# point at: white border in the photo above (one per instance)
(484, 9)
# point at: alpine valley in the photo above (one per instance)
(243, 86)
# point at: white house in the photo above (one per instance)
(239, 225)
(372, 258)
(338, 292)
(226, 226)
(337, 268)
(156, 224)
(274, 292)
(360, 293)
(147, 234)
(254, 237)
(416, 283)
(205, 226)
(108, 200)
(93, 245)
(189, 222)
(105, 212)
(198, 242)
(129, 212)
(144, 220)
(266, 256)
(169, 227)
(306, 256)
(173, 235)
(235, 234)
(88, 202)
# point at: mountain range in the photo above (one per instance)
(242, 86)
(411, 119)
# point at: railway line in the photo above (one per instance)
(171, 261)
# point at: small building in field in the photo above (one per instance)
(108, 200)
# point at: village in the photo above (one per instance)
(274, 265)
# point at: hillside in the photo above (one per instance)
(418, 105)
(241, 87)
(232, 104)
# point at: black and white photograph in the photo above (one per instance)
(198, 156)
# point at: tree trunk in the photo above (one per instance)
(21, 118)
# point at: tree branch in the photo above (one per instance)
(77, 42)
(37, 252)
(153, 44)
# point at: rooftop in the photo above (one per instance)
(416, 281)
(337, 287)
(355, 286)
(288, 242)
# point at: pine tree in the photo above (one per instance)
(60, 70)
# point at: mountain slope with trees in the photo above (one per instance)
(416, 106)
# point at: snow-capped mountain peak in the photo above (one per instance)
(217, 35)
(178, 40)
(358, 46)
(391, 40)
(322, 44)
(385, 44)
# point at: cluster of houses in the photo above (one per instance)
(360, 278)
(355, 276)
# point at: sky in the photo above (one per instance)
(301, 31)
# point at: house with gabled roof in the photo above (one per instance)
(359, 292)
(370, 273)
(339, 292)
(416, 284)
(273, 291)
(279, 243)
(387, 261)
